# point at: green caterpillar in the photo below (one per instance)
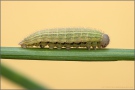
(67, 37)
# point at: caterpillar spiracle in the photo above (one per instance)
(67, 38)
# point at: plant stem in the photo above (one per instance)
(67, 55)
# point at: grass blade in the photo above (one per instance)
(67, 55)
(19, 79)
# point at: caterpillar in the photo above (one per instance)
(67, 38)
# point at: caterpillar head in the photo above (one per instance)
(105, 41)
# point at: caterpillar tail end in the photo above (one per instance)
(22, 44)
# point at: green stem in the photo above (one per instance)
(19, 79)
(67, 55)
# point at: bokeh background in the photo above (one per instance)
(116, 18)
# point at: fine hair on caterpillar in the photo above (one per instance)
(67, 38)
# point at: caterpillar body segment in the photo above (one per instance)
(67, 38)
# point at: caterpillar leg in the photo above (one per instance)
(83, 44)
(76, 45)
(68, 46)
(99, 45)
(30, 46)
(59, 45)
(94, 44)
(36, 44)
(88, 45)
(24, 46)
(42, 44)
(51, 45)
